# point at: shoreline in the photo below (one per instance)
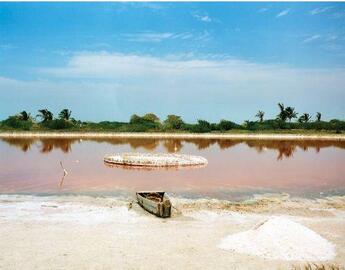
(146, 135)
(101, 233)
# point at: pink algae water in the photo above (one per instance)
(236, 168)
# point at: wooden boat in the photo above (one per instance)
(156, 203)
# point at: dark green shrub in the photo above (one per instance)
(151, 117)
(135, 119)
(202, 126)
(107, 125)
(140, 127)
(337, 124)
(146, 120)
(173, 122)
(58, 124)
(16, 123)
(214, 127)
(225, 125)
(252, 125)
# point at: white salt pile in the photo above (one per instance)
(155, 159)
(282, 239)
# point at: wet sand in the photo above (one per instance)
(79, 232)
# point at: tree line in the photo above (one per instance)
(45, 120)
(290, 113)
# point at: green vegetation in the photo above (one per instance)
(45, 121)
(318, 116)
(45, 115)
(65, 114)
(174, 122)
(260, 115)
(304, 118)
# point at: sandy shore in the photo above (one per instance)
(102, 233)
(90, 135)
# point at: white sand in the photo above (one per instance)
(80, 232)
(74, 213)
(216, 216)
(281, 239)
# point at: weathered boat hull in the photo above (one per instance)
(161, 208)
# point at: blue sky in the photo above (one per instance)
(106, 61)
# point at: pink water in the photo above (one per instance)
(236, 168)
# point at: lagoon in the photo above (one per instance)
(236, 168)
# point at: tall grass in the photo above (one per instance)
(317, 266)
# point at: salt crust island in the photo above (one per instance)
(155, 160)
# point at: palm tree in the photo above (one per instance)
(290, 113)
(260, 115)
(65, 114)
(45, 115)
(318, 116)
(304, 118)
(282, 115)
(281, 107)
(24, 116)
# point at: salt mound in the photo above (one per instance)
(282, 239)
(155, 159)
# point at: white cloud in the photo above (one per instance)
(283, 13)
(116, 65)
(261, 10)
(155, 36)
(147, 36)
(319, 10)
(184, 72)
(204, 36)
(7, 81)
(152, 5)
(214, 86)
(311, 39)
(186, 35)
(202, 16)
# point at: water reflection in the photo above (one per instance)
(44, 145)
(23, 144)
(173, 146)
(65, 145)
(285, 149)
